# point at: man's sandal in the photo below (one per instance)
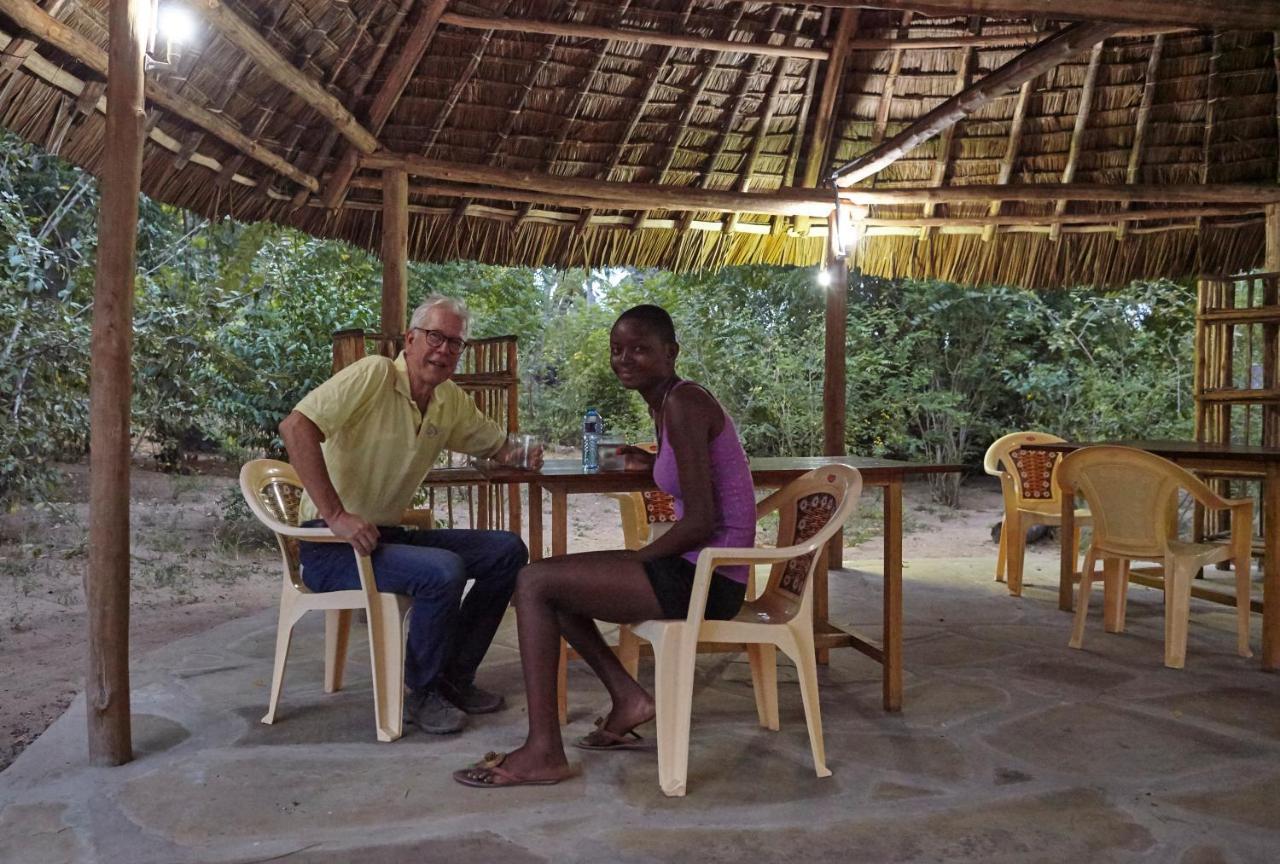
(601, 738)
(488, 773)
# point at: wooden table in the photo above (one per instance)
(563, 478)
(1198, 455)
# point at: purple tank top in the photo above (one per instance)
(732, 488)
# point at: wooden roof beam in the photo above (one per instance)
(1082, 122)
(388, 94)
(1138, 149)
(20, 49)
(272, 63)
(1205, 14)
(1010, 157)
(40, 24)
(618, 34)
(881, 124)
(810, 202)
(1024, 67)
(802, 120)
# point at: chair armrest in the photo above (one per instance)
(422, 519)
(312, 535)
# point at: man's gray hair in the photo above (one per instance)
(453, 304)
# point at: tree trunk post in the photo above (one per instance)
(395, 257)
(111, 392)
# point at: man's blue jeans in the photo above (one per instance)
(448, 636)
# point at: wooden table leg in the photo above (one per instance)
(821, 606)
(1271, 569)
(1067, 557)
(559, 522)
(893, 596)
(535, 522)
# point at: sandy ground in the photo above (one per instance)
(193, 568)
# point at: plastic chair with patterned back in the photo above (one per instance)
(1030, 498)
(1134, 499)
(811, 509)
(273, 491)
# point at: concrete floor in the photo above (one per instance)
(1010, 748)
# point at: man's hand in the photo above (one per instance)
(361, 534)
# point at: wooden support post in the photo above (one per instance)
(111, 392)
(395, 258)
(833, 382)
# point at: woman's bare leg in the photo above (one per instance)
(568, 592)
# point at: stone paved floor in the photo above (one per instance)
(1011, 748)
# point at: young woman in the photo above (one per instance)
(701, 463)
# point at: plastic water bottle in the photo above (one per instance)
(592, 429)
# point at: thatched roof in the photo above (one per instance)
(532, 139)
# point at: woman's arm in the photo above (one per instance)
(692, 418)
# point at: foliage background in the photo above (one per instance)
(232, 327)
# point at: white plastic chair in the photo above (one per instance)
(811, 509)
(272, 491)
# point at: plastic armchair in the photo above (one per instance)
(812, 508)
(1134, 499)
(273, 491)
(1030, 498)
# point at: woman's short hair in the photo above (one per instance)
(453, 304)
(653, 317)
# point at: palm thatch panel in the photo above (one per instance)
(647, 107)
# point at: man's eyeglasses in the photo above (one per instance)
(435, 339)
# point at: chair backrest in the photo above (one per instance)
(645, 516)
(1132, 494)
(1030, 471)
(273, 492)
(811, 509)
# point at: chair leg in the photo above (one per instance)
(1000, 550)
(668, 700)
(1115, 587)
(629, 650)
(284, 633)
(1082, 601)
(1243, 561)
(1015, 552)
(764, 682)
(386, 660)
(562, 683)
(337, 632)
(807, 673)
(1177, 611)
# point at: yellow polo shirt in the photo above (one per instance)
(377, 445)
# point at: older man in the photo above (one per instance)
(362, 442)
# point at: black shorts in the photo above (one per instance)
(672, 581)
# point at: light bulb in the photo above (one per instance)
(824, 278)
(176, 23)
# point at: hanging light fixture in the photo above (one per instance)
(173, 25)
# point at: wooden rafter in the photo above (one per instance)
(518, 104)
(686, 112)
(824, 120)
(881, 124)
(658, 69)
(39, 24)
(986, 40)
(767, 110)
(1140, 124)
(269, 61)
(707, 169)
(1227, 14)
(20, 49)
(1010, 157)
(802, 119)
(942, 164)
(620, 34)
(388, 94)
(1024, 67)
(1083, 111)
(1275, 53)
